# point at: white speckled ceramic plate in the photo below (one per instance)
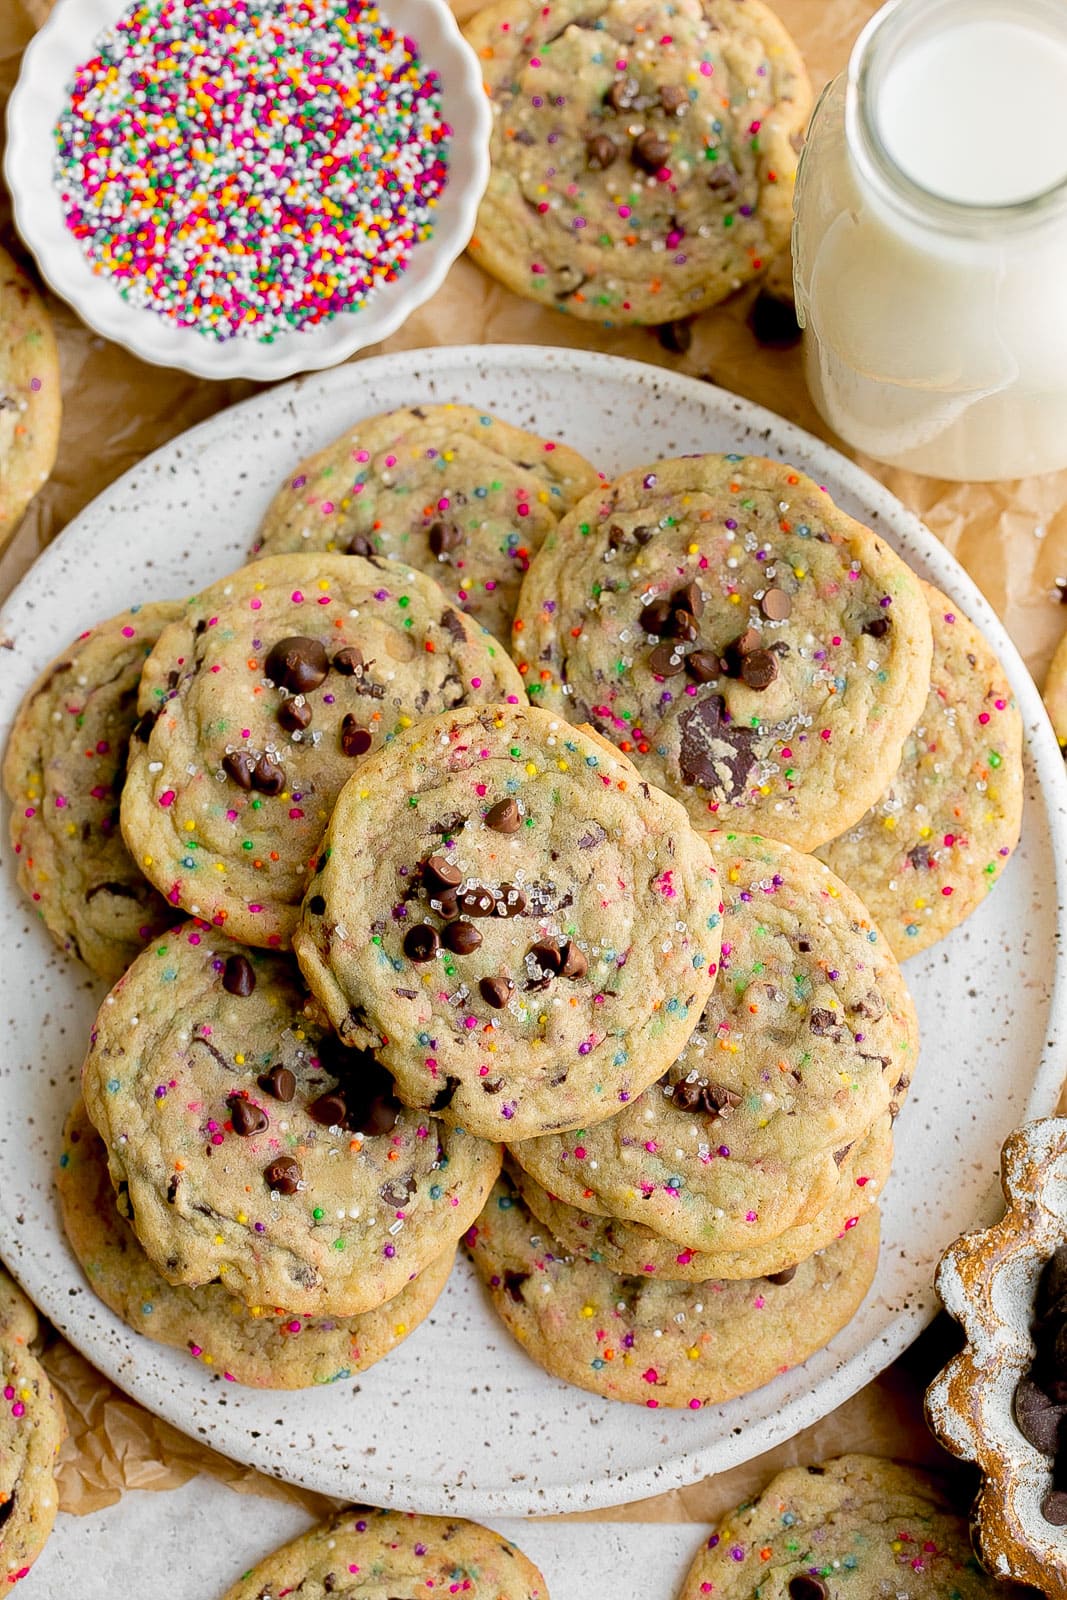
(459, 1419)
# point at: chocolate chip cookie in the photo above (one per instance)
(258, 706)
(643, 152)
(808, 1040)
(248, 1145)
(854, 1526)
(30, 403)
(634, 1250)
(266, 1348)
(525, 929)
(656, 1343)
(755, 651)
(32, 1428)
(63, 772)
(452, 490)
(363, 1553)
(929, 851)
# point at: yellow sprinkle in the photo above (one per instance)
(765, 788)
(364, 794)
(925, 833)
(405, 722)
(220, 866)
(735, 599)
(694, 549)
(190, 826)
(800, 572)
(400, 1329)
(564, 766)
(240, 1060)
(219, 1238)
(889, 822)
(242, 1216)
(693, 1353)
(71, 830)
(147, 860)
(919, 905)
(734, 875)
(298, 1033)
(531, 769)
(588, 1311)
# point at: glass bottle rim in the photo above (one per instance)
(883, 34)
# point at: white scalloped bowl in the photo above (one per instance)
(48, 66)
(987, 1281)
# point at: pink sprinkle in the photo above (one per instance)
(255, 605)
(295, 812)
(947, 890)
(167, 797)
(706, 69)
(694, 1405)
(470, 1022)
(127, 632)
(296, 597)
(476, 683)
(651, 1376)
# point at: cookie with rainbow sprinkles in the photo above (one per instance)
(858, 1525)
(258, 705)
(250, 1147)
(809, 1040)
(265, 1347)
(523, 928)
(656, 1343)
(32, 1428)
(643, 152)
(63, 772)
(754, 650)
(458, 493)
(929, 851)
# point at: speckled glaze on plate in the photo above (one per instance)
(459, 1419)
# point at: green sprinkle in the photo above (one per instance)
(318, 1213)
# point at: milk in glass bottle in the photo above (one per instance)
(930, 239)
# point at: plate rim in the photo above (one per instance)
(684, 1466)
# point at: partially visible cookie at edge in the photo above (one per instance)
(63, 771)
(30, 401)
(32, 1428)
(395, 1551)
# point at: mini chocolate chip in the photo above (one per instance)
(246, 1118)
(919, 856)
(239, 766)
(267, 776)
(803, 1587)
(776, 605)
(600, 152)
(477, 902)
(503, 817)
(723, 180)
(445, 536)
(283, 1176)
(297, 663)
(495, 992)
(655, 618)
(238, 976)
(461, 938)
(675, 337)
(279, 1082)
(293, 716)
(445, 904)
(445, 1095)
(355, 740)
(360, 545)
(826, 1024)
(329, 1110)
(689, 598)
(623, 94)
(643, 533)
(421, 943)
(877, 627)
(666, 660)
(373, 1108)
(547, 955)
(687, 1096)
(649, 151)
(786, 1275)
(718, 1098)
(684, 626)
(142, 728)
(438, 875)
(317, 905)
(1038, 1417)
(512, 901)
(673, 97)
(738, 649)
(348, 661)
(702, 665)
(759, 669)
(803, 944)
(575, 963)
(773, 321)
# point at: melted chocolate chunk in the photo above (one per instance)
(666, 660)
(267, 776)
(349, 662)
(715, 753)
(453, 626)
(462, 938)
(649, 151)
(355, 739)
(786, 1275)
(444, 538)
(877, 627)
(399, 1191)
(733, 657)
(476, 902)
(702, 665)
(503, 817)
(317, 905)
(239, 766)
(674, 97)
(279, 1082)
(329, 1110)
(513, 1282)
(142, 728)
(421, 943)
(294, 716)
(238, 976)
(246, 1117)
(656, 617)
(623, 94)
(776, 605)
(283, 1176)
(360, 545)
(804, 1587)
(759, 669)
(297, 663)
(496, 992)
(444, 1096)
(826, 1024)
(714, 1099)
(600, 152)
(919, 856)
(439, 875)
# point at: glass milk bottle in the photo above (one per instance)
(930, 239)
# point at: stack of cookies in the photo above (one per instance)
(389, 905)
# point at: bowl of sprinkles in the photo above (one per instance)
(247, 188)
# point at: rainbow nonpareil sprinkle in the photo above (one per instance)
(253, 167)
